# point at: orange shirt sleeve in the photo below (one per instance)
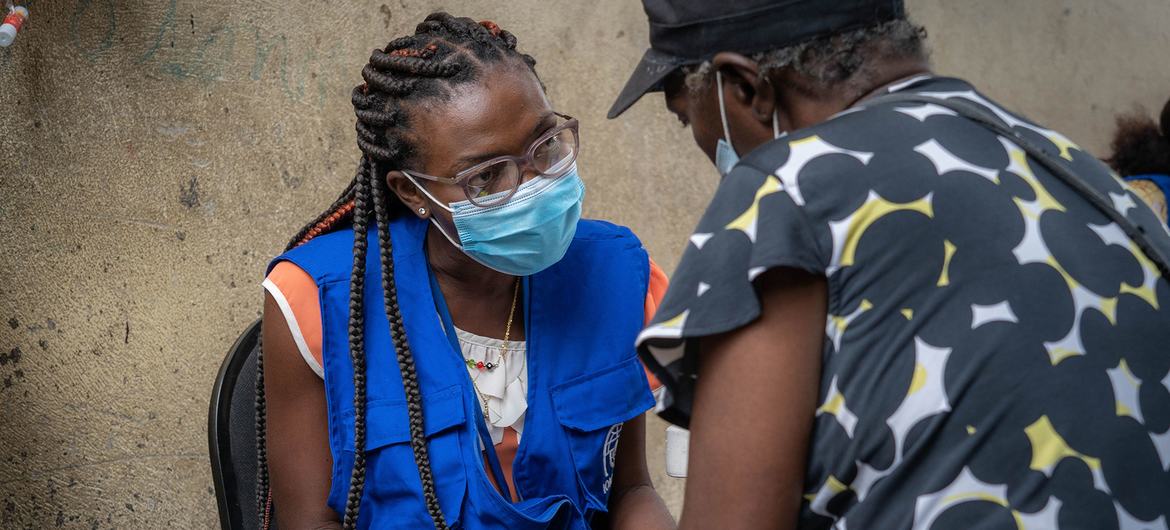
(296, 294)
(655, 291)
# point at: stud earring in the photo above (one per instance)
(422, 211)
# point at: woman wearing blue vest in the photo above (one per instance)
(1141, 155)
(467, 359)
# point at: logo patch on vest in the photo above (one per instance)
(609, 455)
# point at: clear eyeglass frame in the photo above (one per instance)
(493, 182)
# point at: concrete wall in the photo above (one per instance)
(154, 155)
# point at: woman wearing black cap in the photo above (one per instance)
(1141, 154)
(892, 316)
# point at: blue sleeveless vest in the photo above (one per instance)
(584, 380)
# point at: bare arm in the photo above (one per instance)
(754, 408)
(298, 442)
(634, 503)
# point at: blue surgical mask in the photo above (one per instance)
(725, 155)
(526, 235)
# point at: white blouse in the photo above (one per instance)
(505, 388)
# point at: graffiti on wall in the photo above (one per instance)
(170, 44)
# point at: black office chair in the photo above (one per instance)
(231, 434)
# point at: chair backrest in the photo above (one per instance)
(231, 434)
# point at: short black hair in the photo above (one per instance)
(1140, 146)
(843, 60)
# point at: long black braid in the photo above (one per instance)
(445, 51)
(357, 343)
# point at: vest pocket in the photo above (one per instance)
(592, 409)
(393, 496)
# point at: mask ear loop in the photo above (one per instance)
(440, 204)
(723, 112)
(443, 231)
(775, 113)
(722, 108)
(427, 193)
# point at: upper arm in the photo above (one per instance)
(299, 459)
(296, 294)
(754, 408)
(630, 465)
(633, 502)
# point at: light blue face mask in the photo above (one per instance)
(524, 236)
(725, 155)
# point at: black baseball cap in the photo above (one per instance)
(686, 32)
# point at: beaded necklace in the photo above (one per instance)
(487, 364)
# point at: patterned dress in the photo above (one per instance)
(997, 352)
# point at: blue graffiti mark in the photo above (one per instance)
(304, 74)
(335, 77)
(296, 91)
(330, 60)
(264, 50)
(107, 39)
(168, 24)
(277, 48)
(209, 59)
(300, 76)
(214, 61)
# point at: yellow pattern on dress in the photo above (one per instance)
(749, 219)
(1049, 448)
(848, 232)
(944, 279)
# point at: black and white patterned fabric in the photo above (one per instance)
(997, 352)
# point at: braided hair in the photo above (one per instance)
(445, 51)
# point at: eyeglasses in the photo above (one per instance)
(493, 182)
